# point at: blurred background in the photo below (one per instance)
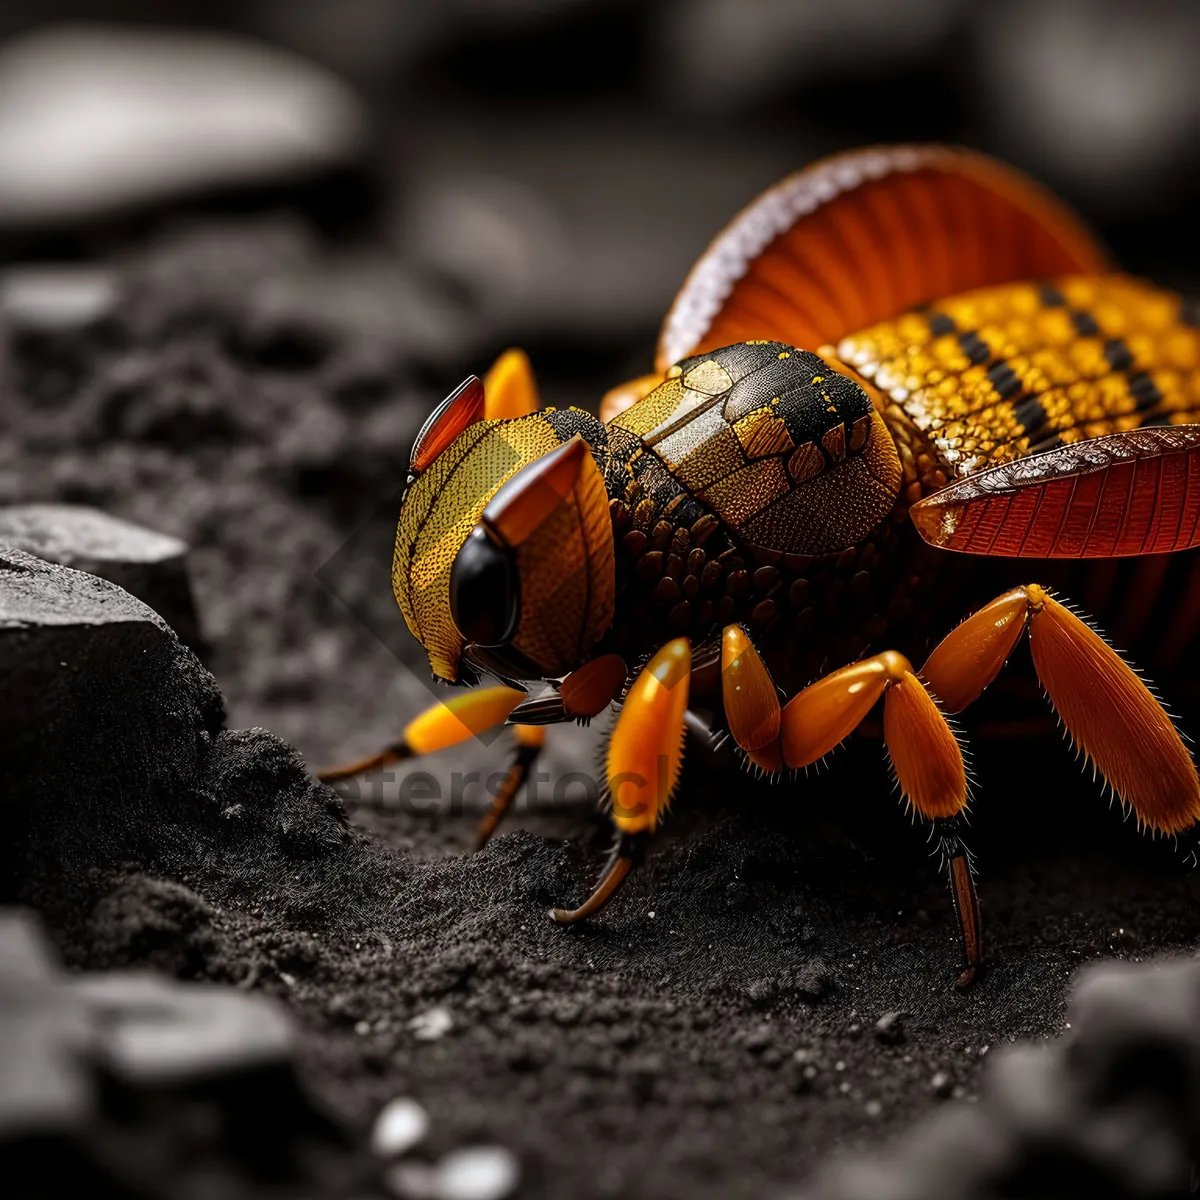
(247, 245)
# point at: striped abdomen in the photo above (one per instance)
(995, 375)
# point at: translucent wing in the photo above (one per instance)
(1128, 493)
(863, 236)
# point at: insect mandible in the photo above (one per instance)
(896, 363)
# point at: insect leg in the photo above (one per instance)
(923, 748)
(530, 739)
(1108, 711)
(961, 872)
(750, 700)
(447, 724)
(924, 751)
(444, 724)
(644, 757)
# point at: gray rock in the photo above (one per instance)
(1137, 1030)
(400, 1126)
(889, 1029)
(155, 1033)
(96, 121)
(369, 298)
(1112, 1109)
(478, 1173)
(56, 298)
(107, 716)
(42, 1036)
(813, 981)
(148, 565)
(1095, 95)
(100, 1073)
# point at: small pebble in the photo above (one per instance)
(940, 1084)
(478, 1173)
(401, 1125)
(413, 1181)
(757, 1040)
(433, 1024)
(889, 1029)
(56, 298)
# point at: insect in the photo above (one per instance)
(896, 368)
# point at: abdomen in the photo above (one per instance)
(1002, 373)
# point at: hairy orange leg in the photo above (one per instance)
(924, 751)
(447, 724)
(1108, 711)
(750, 700)
(644, 758)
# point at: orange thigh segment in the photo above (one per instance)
(750, 700)
(443, 724)
(924, 751)
(646, 750)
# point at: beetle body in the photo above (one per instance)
(891, 380)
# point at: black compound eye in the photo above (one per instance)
(485, 590)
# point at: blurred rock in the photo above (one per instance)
(412, 1181)
(121, 1083)
(1098, 96)
(370, 41)
(1113, 1109)
(41, 1035)
(106, 713)
(148, 565)
(714, 56)
(889, 1029)
(156, 1034)
(574, 228)
(432, 1025)
(56, 298)
(478, 1173)
(369, 299)
(400, 1126)
(1138, 1031)
(96, 120)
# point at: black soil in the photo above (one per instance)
(717, 1032)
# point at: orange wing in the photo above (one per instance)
(1129, 493)
(863, 236)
